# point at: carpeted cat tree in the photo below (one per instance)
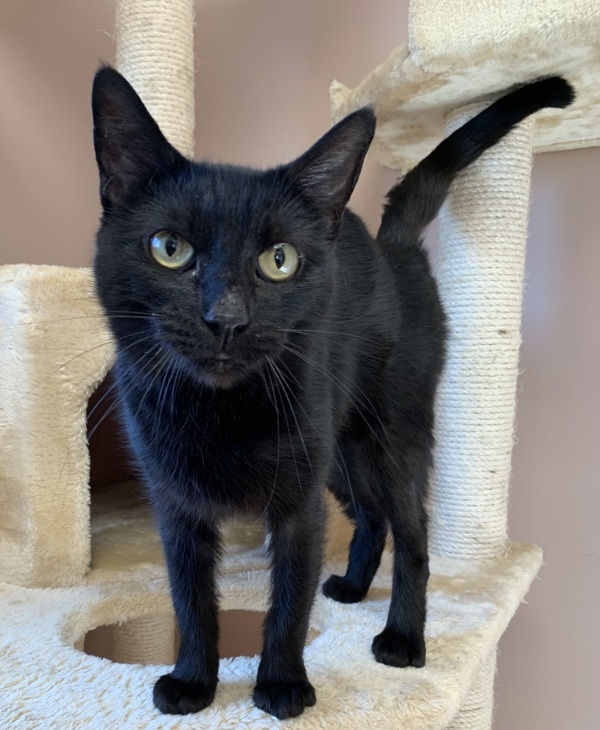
(84, 568)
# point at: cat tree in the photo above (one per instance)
(71, 562)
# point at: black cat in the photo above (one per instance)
(268, 346)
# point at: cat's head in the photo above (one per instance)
(209, 266)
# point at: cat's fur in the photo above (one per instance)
(331, 375)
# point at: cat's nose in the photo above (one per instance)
(227, 316)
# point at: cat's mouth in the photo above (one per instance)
(224, 366)
(224, 370)
(221, 364)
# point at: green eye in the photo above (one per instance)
(170, 250)
(280, 262)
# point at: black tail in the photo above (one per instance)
(416, 200)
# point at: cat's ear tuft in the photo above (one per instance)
(130, 148)
(329, 171)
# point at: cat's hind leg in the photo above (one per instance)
(350, 485)
(403, 471)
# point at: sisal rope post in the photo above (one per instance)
(477, 709)
(155, 53)
(145, 640)
(483, 227)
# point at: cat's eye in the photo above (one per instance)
(170, 250)
(279, 262)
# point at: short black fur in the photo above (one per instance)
(245, 395)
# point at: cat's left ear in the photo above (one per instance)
(328, 172)
(130, 148)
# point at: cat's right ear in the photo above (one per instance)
(130, 148)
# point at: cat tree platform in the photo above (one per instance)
(48, 680)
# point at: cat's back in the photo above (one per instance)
(364, 280)
(382, 278)
(391, 299)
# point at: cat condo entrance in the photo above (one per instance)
(122, 527)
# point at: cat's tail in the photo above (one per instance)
(416, 199)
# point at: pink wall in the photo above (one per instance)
(264, 67)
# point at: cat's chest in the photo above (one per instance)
(229, 451)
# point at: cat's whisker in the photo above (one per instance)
(101, 400)
(134, 364)
(284, 383)
(111, 408)
(276, 408)
(343, 335)
(61, 320)
(320, 368)
(165, 392)
(66, 363)
(360, 412)
(155, 373)
(342, 338)
(288, 427)
(175, 382)
(343, 471)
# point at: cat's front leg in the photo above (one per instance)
(191, 549)
(282, 687)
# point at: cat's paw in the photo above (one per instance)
(397, 650)
(178, 697)
(342, 590)
(284, 699)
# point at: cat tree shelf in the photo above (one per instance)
(465, 52)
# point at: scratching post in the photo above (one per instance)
(478, 707)
(483, 230)
(155, 52)
(146, 640)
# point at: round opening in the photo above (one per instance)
(154, 639)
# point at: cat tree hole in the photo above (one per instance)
(155, 639)
(110, 458)
(123, 533)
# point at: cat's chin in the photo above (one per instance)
(221, 371)
(222, 375)
(218, 381)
